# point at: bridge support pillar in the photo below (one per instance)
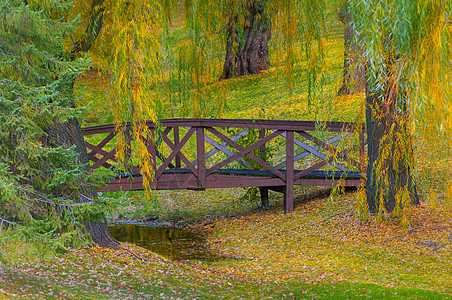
(264, 196)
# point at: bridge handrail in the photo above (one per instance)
(331, 126)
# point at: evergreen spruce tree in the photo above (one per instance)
(45, 185)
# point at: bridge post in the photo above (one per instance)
(263, 190)
(201, 153)
(128, 152)
(176, 142)
(264, 196)
(152, 149)
(289, 194)
(362, 145)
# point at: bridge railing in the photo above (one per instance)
(217, 153)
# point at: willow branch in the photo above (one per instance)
(93, 29)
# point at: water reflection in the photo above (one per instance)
(174, 243)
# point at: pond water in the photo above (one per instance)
(170, 242)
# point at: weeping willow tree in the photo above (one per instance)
(353, 80)
(406, 51)
(230, 38)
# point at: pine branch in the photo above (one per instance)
(10, 224)
(35, 196)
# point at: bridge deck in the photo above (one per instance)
(199, 153)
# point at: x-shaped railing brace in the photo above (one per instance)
(313, 150)
(222, 147)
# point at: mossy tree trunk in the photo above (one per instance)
(247, 47)
(69, 134)
(353, 80)
(390, 153)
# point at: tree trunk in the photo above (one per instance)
(388, 171)
(251, 55)
(69, 134)
(229, 62)
(353, 80)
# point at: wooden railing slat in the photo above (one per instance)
(289, 194)
(104, 159)
(176, 150)
(200, 153)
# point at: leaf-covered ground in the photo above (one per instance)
(312, 253)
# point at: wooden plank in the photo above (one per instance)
(260, 124)
(200, 153)
(95, 159)
(98, 129)
(181, 181)
(176, 141)
(177, 181)
(106, 157)
(289, 195)
(95, 149)
(190, 181)
(317, 166)
(152, 149)
(228, 181)
(312, 150)
(98, 149)
(340, 154)
(181, 155)
(296, 158)
(235, 123)
(107, 139)
(315, 152)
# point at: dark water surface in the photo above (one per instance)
(174, 243)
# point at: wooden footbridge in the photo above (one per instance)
(220, 153)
